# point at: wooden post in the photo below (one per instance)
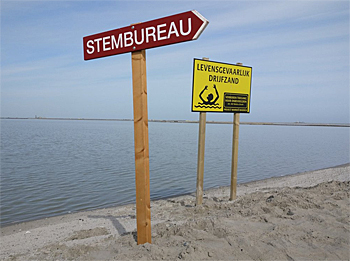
(200, 162)
(143, 204)
(233, 190)
(201, 149)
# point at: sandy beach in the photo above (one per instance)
(305, 216)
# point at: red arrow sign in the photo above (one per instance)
(172, 29)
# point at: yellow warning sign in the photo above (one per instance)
(220, 87)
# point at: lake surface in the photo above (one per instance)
(54, 167)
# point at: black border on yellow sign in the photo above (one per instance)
(233, 111)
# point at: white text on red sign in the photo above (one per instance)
(164, 31)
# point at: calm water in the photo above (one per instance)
(57, 167)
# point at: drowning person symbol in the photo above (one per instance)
(210, 96)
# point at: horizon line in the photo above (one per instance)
(297, 123)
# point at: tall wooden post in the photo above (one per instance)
(143, 202)
(200, 162)
(201, 150)
(233, 190)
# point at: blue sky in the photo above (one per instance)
(299, 52)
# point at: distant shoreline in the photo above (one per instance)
(189, 121)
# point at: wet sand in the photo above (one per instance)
(297, 217)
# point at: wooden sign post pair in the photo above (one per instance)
(200, 161)
(219, 87)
